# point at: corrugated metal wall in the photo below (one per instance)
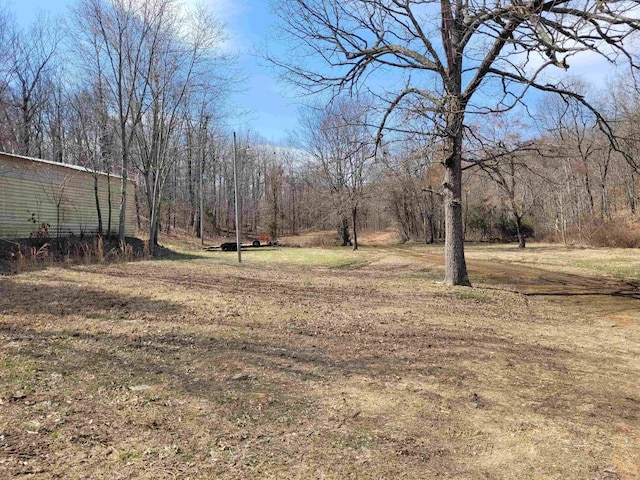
(34, 192)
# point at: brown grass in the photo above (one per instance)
(36, 253)
(330, 238)
(311, 239)
(330, 364)
(623, 231)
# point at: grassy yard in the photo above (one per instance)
(324, 364)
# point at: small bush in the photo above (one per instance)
(126, 252)
(26, 254)
(99, 249)
(620, 232)
(612, 234)
(26, 257)
(480, 218)
(41, 232)
(507, 227)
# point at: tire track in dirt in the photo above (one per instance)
(610, 299)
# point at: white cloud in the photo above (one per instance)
(225, 10)
(230, 13)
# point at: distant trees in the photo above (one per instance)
(413, 192)
(28, 83)
(143, 93)
(499, 152)
(342, 144)
(274, 183)
(154, 68)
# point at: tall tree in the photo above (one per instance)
(445, 53)
(181, 54)
(118, 32)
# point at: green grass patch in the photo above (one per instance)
(618, 268)
(316, 257)
(464, 295)
(473, 295)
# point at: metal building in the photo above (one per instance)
(37, 194)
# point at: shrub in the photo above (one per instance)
(507, 227)
(479, 218)
(616, 233)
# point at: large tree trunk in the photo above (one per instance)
(455, 265)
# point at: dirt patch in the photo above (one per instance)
(600, 297)
(331, 238)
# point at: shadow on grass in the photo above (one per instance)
(203, 365)
(164, 253)
(24, 298)
(626, 294)
(249, 382)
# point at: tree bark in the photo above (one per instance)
(97, 197)
(344, 231)
(455, 265)
(355, 231)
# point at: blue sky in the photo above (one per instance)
(270, 113)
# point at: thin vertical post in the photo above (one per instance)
(202, 193)
(235, 185)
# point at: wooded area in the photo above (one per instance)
(143, 89)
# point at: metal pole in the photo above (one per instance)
(202, 190)
(235, 185)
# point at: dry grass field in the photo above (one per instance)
(325, 364)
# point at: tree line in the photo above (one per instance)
(416, 117)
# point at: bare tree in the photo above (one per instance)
(274, 184)
(412, 193)
(30, 61)
(118, 32)
(625, 100)
(86, 133)
(444, 53)
(341, 143)
(181, 53)
(7, 30)
(498, 150)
